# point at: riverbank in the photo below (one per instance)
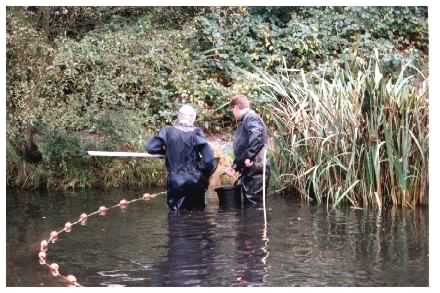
(82, 172)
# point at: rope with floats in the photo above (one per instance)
(54, 268)
(70, 279)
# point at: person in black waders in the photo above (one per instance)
(189, 160)
(250, 139)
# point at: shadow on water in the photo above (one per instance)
(145, 245)
(214, 249)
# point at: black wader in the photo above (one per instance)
(190, 162)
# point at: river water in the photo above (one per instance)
(145, 246)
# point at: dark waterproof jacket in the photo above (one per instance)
(249, 139)
(189, 160)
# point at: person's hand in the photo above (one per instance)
(248, 163)
(230, 172)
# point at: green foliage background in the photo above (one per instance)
(107, 77)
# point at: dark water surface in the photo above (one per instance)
(145, 246)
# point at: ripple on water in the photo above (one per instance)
(145, 246)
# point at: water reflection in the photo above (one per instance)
(252, 248)
(214, 249)
(145, 246)
(187, 254)
(347, 247)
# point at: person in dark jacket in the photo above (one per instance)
(250, 140)
(189, 160)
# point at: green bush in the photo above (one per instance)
(104, 77)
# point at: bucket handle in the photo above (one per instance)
(237, 180)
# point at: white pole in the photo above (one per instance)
(265, 238)
(264, 186)
(123, 154)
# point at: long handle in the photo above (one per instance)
(264, 185)
(122, 154)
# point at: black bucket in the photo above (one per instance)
(229, 196)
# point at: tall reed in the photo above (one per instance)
(349, 134)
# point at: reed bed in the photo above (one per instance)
(350, 133)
